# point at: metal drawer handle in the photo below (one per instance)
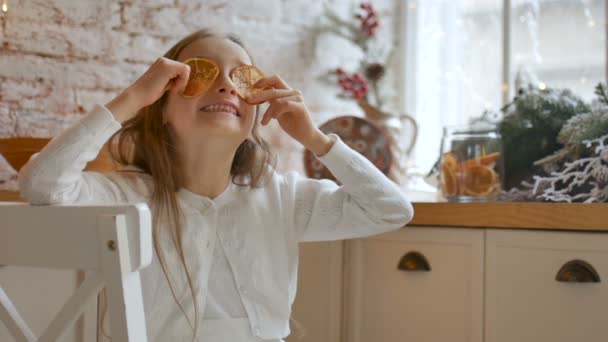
(577, 271)
(414, 261)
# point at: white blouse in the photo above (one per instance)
(223, 298)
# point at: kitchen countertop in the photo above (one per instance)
(526, 215)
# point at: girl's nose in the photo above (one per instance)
(225, 85)
(224, 89)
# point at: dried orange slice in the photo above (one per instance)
(484, 160)
(203, 73)
(450, 161)
(479, 180)
(244, 77)
(449, 180)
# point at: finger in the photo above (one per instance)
(279, 107)
(179, 74)
(183, 75)
(176, 74)
(268, 114)
(271, 94)
(169, 86)
(272, 81)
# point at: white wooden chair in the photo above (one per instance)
(111, 242)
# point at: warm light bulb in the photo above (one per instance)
(4, 6)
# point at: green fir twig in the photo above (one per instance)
(600, 91)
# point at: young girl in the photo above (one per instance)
(226, 226)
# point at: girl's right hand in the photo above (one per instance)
(164, 74)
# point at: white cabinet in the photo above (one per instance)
(525, 302)
(492, 285)
(317, 311)
(445, 303)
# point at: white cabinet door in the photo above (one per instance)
(316, 314)
(384, 303)
(525, 302)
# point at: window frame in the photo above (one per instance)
(407, 22)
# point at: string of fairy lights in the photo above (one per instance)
(4, 11)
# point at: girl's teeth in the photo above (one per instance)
(219, 108)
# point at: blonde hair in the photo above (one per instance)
(148, 143)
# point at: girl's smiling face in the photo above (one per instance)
(219, 111)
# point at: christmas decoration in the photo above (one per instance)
(529, 127)
(575, 165)
(367, 84)
(583, 180)
(581, 127)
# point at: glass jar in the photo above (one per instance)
(471, 164)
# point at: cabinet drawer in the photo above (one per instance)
(525, 302)
(386, 304)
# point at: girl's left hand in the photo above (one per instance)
(288, 108)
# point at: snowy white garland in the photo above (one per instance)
(576, 175)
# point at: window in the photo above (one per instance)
(458, 64)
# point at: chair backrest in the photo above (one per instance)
(112, 242)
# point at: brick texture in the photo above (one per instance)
(58, 58)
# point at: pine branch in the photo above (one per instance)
(331, 15)
(600, 91)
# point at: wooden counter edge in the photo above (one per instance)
(530, 215)
(10, 196)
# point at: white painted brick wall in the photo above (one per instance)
(60, 57)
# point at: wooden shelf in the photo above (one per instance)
(561, 216)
